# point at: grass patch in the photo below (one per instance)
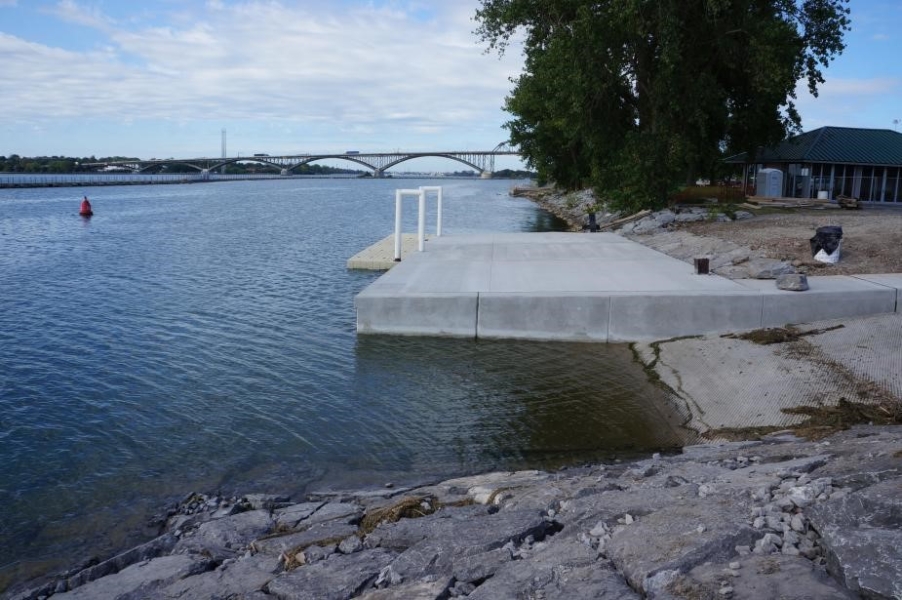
(824, 420)
(777, 335)
(407, 508)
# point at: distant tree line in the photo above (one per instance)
(67, 164)
(52, 164)
(500, 174)
(513, 174)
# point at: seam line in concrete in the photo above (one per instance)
(476, 321)
(761, 313)
(892, 287)
(607, 333)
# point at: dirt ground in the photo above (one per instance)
(871, 242)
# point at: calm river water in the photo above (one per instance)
(201, 337)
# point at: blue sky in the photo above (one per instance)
(162, 78)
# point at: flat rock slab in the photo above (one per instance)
(227, 536)
(862, 532)
(141, 580)
(418, 590)
(672, 540)
(566, 570)
(245, 576)
(320, 534)
(339, 577)
(760, 577)
(473, 527)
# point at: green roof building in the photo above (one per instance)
(835, 161)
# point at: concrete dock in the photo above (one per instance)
(591, 287)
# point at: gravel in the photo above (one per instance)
(871, 243)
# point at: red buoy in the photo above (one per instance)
(85, 210)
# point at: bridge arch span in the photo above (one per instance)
(161, 163)
(452, 157)
(313, 159)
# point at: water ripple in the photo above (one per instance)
(202, 337)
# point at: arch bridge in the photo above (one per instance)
(378, 162)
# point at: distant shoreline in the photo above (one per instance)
(7, 180)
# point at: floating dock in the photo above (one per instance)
(381, 255)
(597, 287)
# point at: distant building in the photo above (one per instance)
(833, 161)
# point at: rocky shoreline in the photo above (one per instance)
(656, 230)
(779, 517)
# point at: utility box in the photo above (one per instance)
(769, 183)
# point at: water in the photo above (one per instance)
(201, 337)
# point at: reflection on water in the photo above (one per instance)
(499, 404)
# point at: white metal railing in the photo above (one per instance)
(420, 194)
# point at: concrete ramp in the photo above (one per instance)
(592, 287)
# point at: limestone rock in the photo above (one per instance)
(340, 577)
(766, 268)
(862, 533)
(565, 570)
(321, 534)
(794, 282)
(774, 576)
(140, 580)
(226, 537)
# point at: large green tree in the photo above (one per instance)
(633, 96)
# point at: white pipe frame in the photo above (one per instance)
(399, 194)
(438, 218)
(421, 216)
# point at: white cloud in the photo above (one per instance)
(358, 67)
(848, 102)
(72, 12)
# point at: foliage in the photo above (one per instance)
(723, 192)
(634, 96)
(513, 174)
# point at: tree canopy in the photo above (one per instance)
(633, 96)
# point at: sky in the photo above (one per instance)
(164, 78)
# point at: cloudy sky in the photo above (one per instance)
(161, 78)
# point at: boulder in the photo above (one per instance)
(794, 282)
(766, 268)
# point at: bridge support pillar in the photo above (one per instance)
(283, 172)
(205, 175)
(485, 174)
(377, 173)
